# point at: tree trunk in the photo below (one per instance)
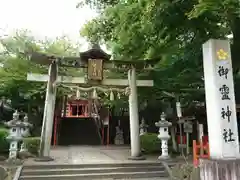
(172, 131)
(173, 135)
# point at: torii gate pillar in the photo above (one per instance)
(48, 116)
(134, 118)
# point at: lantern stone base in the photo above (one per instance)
(136, 158)
(163, 157)
(219, 169)
(44, 159)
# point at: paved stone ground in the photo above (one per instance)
(143, 179)
(95, 155)
(91, 155)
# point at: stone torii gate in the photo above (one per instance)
(94, 61)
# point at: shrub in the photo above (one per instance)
(2, 125)
(184, 172)
(32, 144)
(150, 143)
(4, 144)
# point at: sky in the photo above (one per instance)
(44, 18)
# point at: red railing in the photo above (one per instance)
(200, 150)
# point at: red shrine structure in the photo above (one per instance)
(83, 117)
(81, 111)
(77, 109)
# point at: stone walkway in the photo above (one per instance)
(94, 155)
(91, 155)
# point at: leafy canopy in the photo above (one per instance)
(172, 31)
(16, 65)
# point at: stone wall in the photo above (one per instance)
(219, 169)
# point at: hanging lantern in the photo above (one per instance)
(111, 96)
(94, 96)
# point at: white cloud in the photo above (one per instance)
(45, 18)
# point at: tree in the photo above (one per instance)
(172, 31)
(25, 95)
(229, 16)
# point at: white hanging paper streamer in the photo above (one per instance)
(127, 91)
(119, 96)
(95, 96)
(78, 94)
(111, 96)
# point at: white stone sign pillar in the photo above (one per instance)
(220, 99)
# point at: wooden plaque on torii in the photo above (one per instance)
(95, 69)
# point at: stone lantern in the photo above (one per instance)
(164, 136)
(15, 135)
(119, 140)
(17, 131)
(143, 127)
(25, 132)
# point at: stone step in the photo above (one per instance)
(101, 165)
(119, 175)
(128, 170)
(35, 172)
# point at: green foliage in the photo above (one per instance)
(158, 29)
(25, 95)
(172, 31)
(4, 145)
(2, 125)
(185, 172)
(229, 8)
(32, 144)
(150, 143)
(97, 4)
